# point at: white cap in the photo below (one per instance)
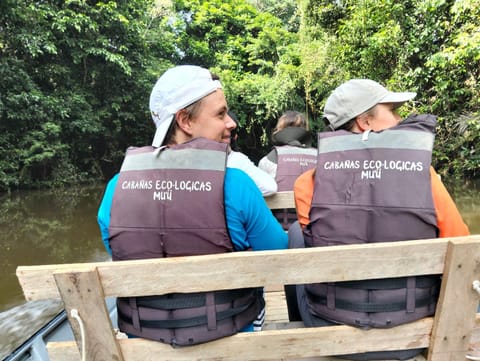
(356, 96)
(176, 89)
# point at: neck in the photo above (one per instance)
(179, 137)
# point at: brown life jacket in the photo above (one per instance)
(158, 210)
(291, 162)
(374, 187)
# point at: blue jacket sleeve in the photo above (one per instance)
(250, 221)
(103, 215)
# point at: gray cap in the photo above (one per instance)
(355, 97)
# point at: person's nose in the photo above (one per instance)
(397, 116)
(230, 123)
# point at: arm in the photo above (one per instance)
(103, 215)
(263, 180)
(449, 220)
(303, 193)
(250, 222)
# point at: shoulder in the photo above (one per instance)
(305, 181)
(237, 159)
(272, 156)
(111, 185)
(268, 161)
(241, 187)
(113, 181)
(106, 203)
(234, 175)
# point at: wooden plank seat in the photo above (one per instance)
(448, 336)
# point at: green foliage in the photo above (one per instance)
(257, 60)
(73, 74)
(76, 75)
(228, 34)
(285, 10)
(457, 152)
(257, 99)
(431, 47)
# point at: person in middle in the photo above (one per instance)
(236, 159)
(291, 156)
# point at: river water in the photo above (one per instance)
(46, 227)
(42, 227)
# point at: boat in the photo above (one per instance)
(57, 329)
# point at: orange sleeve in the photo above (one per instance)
(303, 193)
(449, 220)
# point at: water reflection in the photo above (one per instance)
(41, 227)
(467, 198)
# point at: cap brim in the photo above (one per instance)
(398, 98)
(161, 132)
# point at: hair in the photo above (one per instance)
(370, 112)
(345, 126)
(191, 112)
(291, 118)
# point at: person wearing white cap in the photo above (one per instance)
(176, 99)
(172, 94)
(179, 197)
(373, 183)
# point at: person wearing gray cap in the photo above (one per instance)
(361, 104)
(178, 197)
(373, 183)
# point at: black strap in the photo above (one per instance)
(391, 283)
(175, 301)
(370, 307)
(285, 216)
(193, 321)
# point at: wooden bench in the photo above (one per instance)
(448, 336)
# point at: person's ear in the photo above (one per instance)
(363, 122)
(184, 121)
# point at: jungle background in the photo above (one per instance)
(76, 75)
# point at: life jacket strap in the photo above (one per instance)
(370, 307)
(175, 301)
(391, 283)
(285, 216)
(189, 322)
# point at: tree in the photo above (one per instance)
(76, 75)
(431, 47)
(77, 72)
(254, 54)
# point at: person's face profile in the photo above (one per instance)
(212, 120)
(384, 117)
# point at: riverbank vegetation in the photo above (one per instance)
(76, 74)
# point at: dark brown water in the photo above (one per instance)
(44, 227)
(467, 198)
